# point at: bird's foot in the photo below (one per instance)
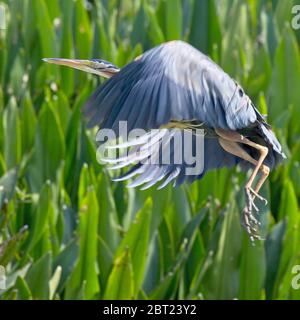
(250, 200)
(251, 225)
(250, 191)
(250, 196)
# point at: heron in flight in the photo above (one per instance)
(175, 86)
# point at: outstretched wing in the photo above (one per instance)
(169, 156)
(173, 81)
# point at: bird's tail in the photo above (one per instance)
(266, 132)
(272, 141)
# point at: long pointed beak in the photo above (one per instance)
(95, 66)
(84, 65)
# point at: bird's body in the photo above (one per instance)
(181, 83)
(175, 85)
(174, 81)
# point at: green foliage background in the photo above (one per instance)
(67, 231)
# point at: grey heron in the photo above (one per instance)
(174, 85)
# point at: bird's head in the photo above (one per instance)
(96, 66)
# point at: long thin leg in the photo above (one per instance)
(236, 137)
(265, 173)
(248, 218)
(234, 148)
(229, 141)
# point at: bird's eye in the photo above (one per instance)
(241, 92)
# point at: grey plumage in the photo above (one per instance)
(175, 81)
(178, 90)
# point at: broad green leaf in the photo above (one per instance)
(45, 28)
(289, 210)
(28, 123)
(252, 270)
(205, 27)
(49, 147)
(12, 134)
(222, 279)
(136, 241)
(283, 12)
(7, 186)
(173, 19)
(8, 249)
(62, 109)
(66, 259)
(83, 31)
(155, 32)
(67, 50)
(140, 25)
(23, 289)
(38, 277)
(283, 90)
(53, 9)
(54, 282)
(105, 261)
(86, 268)
(108, 219)
(169, 282)
(42, 214)
(181, 213)
(258, 80)
(120, 284)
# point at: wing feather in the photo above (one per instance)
(173, 81)
(151, 169)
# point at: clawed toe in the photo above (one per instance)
(250, 200)
(250, 196)
(249, 223)
(256, 195)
